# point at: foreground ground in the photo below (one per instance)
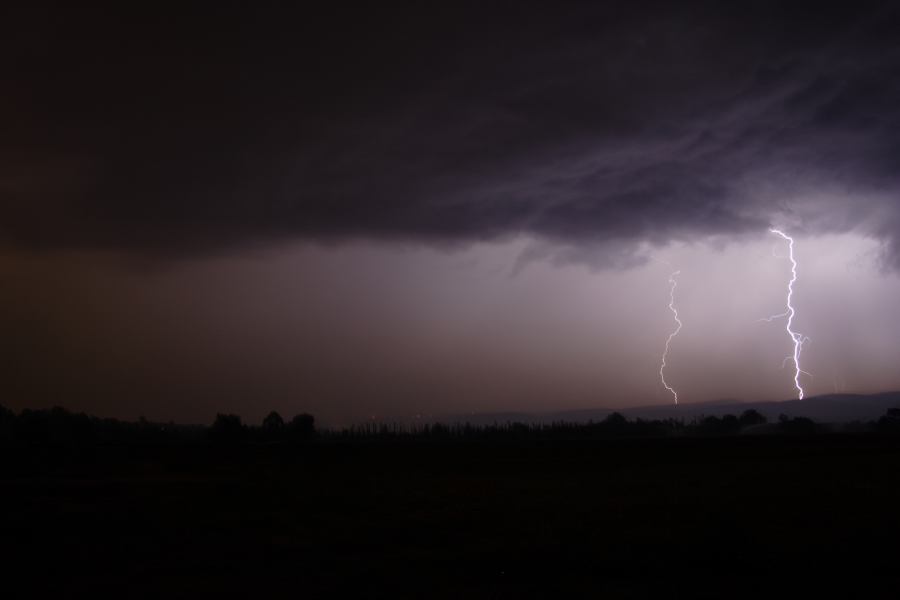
(707, 517)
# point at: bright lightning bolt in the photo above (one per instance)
(662, 367)
(797, 338)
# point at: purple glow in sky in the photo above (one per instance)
(439, 332)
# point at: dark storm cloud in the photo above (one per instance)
(599, 125)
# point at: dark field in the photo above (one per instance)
(698, 517)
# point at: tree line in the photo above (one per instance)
(60, 426)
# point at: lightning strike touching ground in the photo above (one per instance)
(662, 367)
(797, 338)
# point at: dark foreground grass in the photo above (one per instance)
(703, 517)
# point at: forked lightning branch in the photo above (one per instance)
(797, 339)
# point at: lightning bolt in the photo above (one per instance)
(674, 283)
(796, 337)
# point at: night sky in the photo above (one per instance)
(390, 211)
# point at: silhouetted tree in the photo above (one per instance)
(799, 425)
(227, 429)
(7, 423)
(890, 422)
(273, 423)
(54, 426)
(615, 420)
(437, 430)
(708, 425)
(724, 425)
(751, 417)
(730, 424)
(32, 426)
(614, 424)
(302, 427)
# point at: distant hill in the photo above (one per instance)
(830, 408)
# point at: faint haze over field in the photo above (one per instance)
(367, 329)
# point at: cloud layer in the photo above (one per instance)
(590, 127)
